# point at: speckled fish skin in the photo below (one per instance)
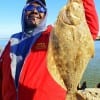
(70, 48)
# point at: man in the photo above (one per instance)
(23, 69)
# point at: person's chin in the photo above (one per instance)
(33, 22)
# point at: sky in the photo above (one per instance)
(11, 11)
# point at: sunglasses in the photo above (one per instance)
(40, 9)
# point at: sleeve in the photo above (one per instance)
(1, 62)
(0, 78)
(91, 17)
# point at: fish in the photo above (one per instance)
(70, 48)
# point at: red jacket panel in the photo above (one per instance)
(35, 81)
(7, 88)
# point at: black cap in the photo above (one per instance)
(43, 1)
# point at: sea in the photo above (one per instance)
(92, 72)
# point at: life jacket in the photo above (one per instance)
(35, 81)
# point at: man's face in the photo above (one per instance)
(35, 13)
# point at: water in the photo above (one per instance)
(3, 43)
(92, 73)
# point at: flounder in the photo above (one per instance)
(70, 48)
